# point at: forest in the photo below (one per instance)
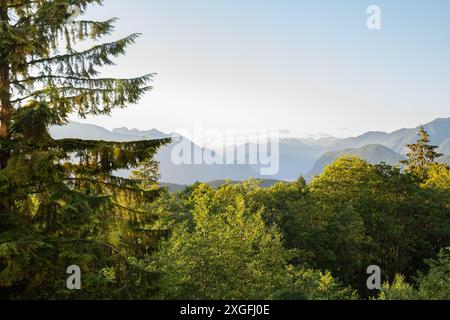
(61, 203)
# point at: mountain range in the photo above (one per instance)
(298, 157)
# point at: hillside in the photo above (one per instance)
(438, 129)
(374, 154)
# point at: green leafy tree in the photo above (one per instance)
(370, 214)
(398, 290)
(421, 155)
(228, 252)
(281, 205)
(435, 285)
(438, 178)
(60, 202)
(308, 284)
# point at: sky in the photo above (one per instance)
(310, 67)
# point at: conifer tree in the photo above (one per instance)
(59, 199)
(420, 155)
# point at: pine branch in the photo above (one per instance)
(113, 88)
(77, 79)
(98, 54)
(107, 157)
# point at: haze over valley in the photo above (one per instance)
(298, 157)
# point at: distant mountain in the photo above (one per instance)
(374, 154)
(75, 130)
(173, 187)
(92, 132)
(439, 131)
(150, 134)
(184, 174)
(297, 156)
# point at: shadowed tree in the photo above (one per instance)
(59, 199)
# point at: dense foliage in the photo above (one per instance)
(352, 216)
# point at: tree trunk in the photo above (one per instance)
(5, 114)
(5, 104)
(5, 99)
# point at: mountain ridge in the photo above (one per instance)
(298, 156)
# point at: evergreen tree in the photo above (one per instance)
(420, 155)
(60, 202)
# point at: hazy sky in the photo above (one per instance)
(309, 66)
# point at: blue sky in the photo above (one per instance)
(308, 66)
